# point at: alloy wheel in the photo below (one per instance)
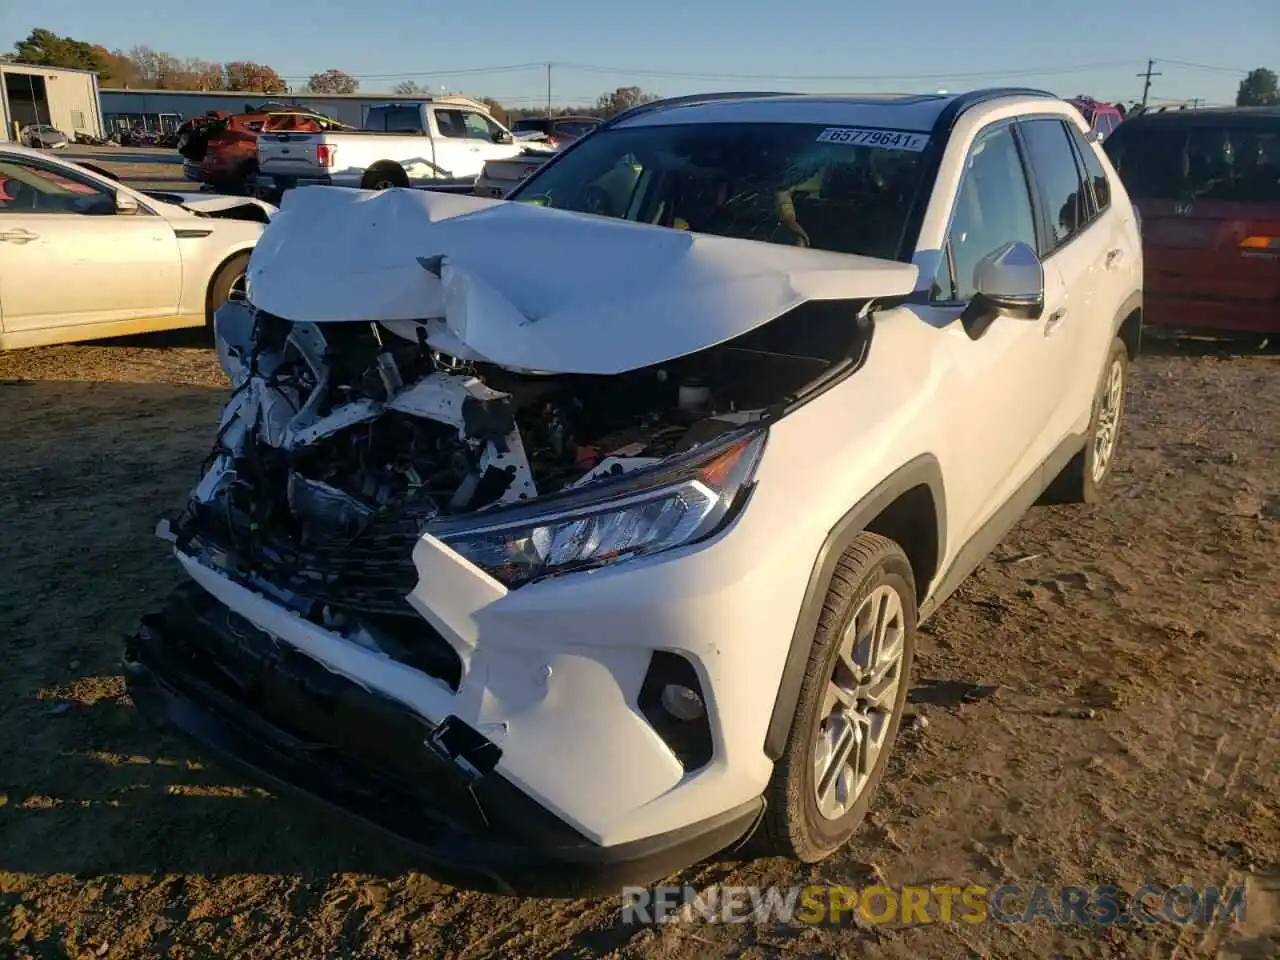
(857, 706)
(1110, 405)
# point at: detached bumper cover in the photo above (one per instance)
(262, 705)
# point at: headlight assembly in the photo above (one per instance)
(672, 504)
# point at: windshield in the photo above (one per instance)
(1227, 162)
(836, 189)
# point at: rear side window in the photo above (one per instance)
(1228, 162)
(1093, 172)
(1053, 165)
(394, 120)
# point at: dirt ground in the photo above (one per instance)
(1099, 705)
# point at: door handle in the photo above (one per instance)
(1114, 257)
(18, 236)
(1056, 317)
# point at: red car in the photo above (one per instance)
(1207, 185)
(224, 152)
(1103, 118)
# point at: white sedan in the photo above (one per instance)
(83, 256)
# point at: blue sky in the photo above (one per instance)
(671, 47)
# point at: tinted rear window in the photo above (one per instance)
(1236, 163)
(530, 126)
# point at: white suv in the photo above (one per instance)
(575, 539)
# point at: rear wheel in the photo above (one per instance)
(850, 705)
(384, 176)
(1082, 479)
(228, 283)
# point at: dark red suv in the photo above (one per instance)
(1207, 185)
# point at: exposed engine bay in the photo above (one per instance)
(343, 442)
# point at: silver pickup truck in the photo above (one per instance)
(439, 142)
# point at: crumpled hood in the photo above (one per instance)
(212, 204)
(536, 289)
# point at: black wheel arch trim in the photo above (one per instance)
(923, 470)
(1132, 305)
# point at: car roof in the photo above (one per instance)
(904, 111)
(1207, 117)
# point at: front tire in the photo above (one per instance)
(227, 283)
(850, 705)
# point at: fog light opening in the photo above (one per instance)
(673, 701)
(682, 703)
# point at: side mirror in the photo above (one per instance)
(503, 137)
(125, 205)
(1010, 282)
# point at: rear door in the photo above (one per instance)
(1074, 245)
(1209, 193)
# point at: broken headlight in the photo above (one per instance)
(672, 504)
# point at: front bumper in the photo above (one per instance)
(212, 675)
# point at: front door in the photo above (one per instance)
(67, 258)
(467, 140)
(1006, 379)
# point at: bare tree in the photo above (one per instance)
(408, 88)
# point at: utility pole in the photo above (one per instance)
(548, 91)
(1195, 102)
(1146, 87)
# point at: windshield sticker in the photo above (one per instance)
(884, 139)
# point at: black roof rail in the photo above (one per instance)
(966, 101)
(689, 100)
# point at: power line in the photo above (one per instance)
(690, 75)
(544, 65)
(462, 71)
(694, 75)
(1202, 66)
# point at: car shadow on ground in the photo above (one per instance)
(1209, 344)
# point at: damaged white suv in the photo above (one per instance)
(575, 539)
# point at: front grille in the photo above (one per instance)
(370, 572)
(352, 581)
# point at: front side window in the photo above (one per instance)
(1054, 166)
(992, 208)
(27, 188)
(480, 127)
(786, 183)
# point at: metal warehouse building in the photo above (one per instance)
(163, 110)
(66, 99)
